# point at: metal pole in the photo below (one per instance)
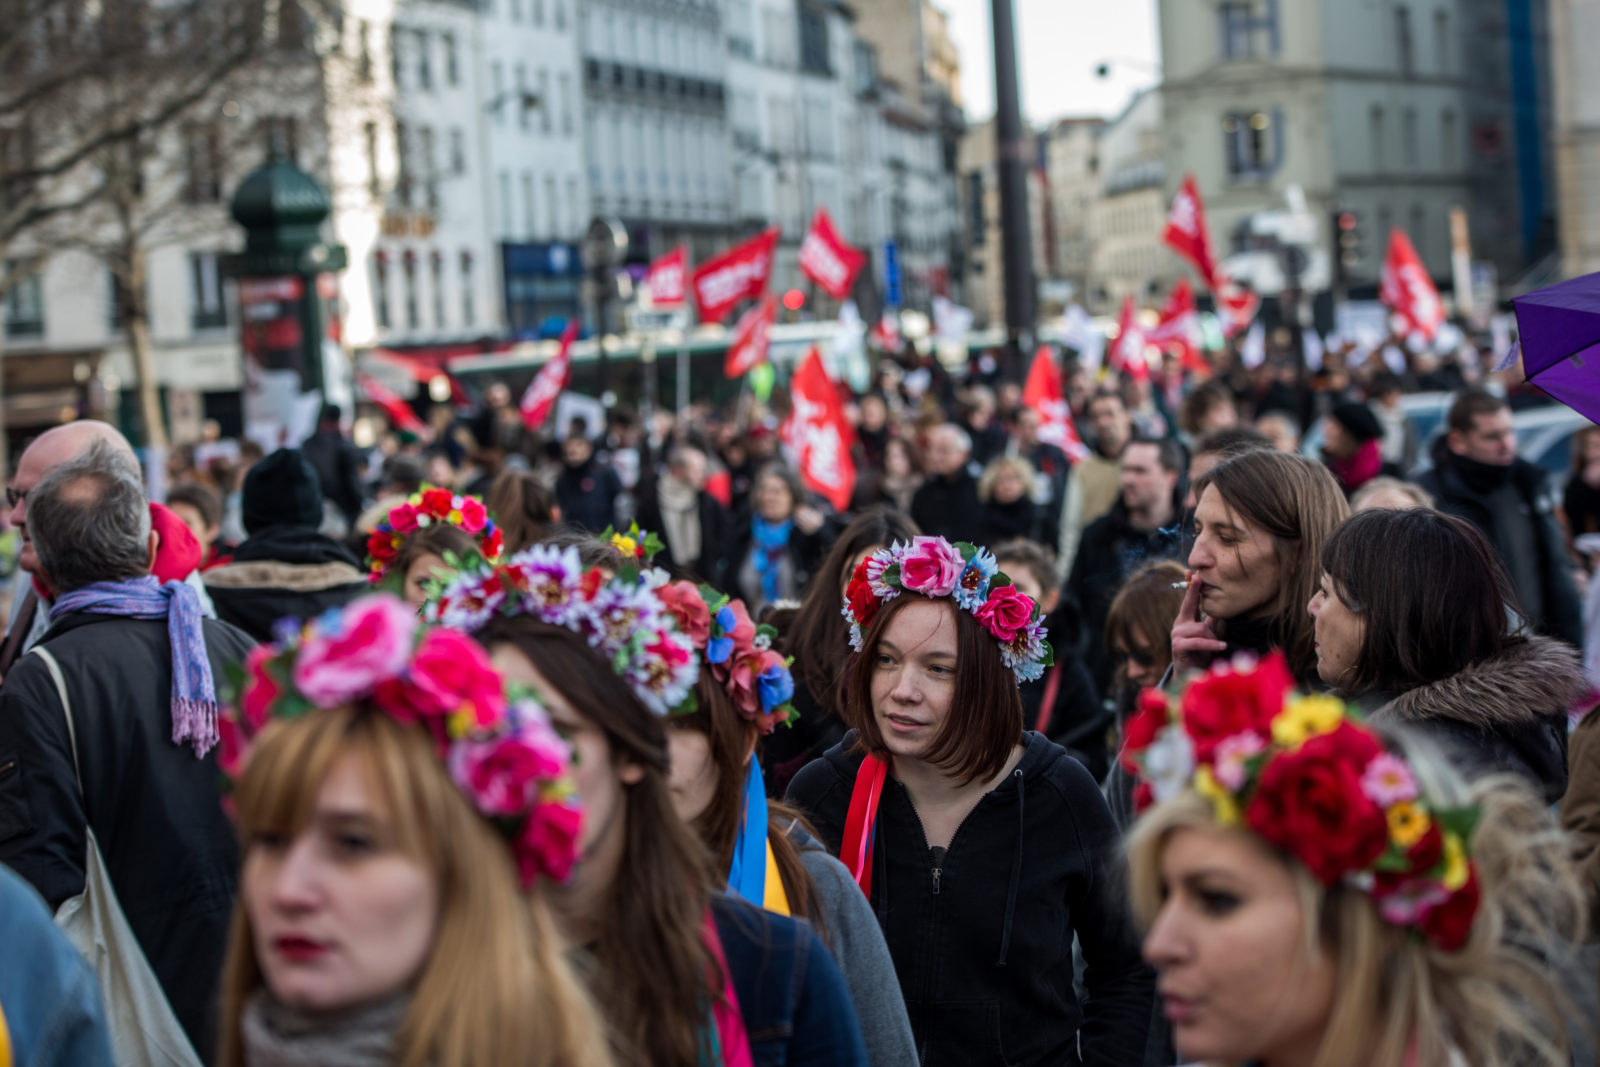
(683, 375)
(1014, 153)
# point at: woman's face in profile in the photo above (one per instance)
(1239, 979)
(1233, 559)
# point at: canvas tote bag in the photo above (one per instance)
(144, 1031)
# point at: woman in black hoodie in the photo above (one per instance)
(983, 848)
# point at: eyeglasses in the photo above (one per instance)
(15, 496)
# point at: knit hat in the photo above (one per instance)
(281, 490)
(1358, 421)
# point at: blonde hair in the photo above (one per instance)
(496, 987)
(1397, 996)
(991, 474)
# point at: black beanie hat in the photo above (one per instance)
(1358, 421)
(281, 490)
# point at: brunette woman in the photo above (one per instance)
(1321, 894)
(1413, 621)
(412, 545)
(769, 858)
(686, 975)
(1260, 521)
(818, 640)
(983, 848)
(784, 540)
(391, 909)
(524, 506)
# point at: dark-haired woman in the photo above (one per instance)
(819, 641)
(1259, 525)
(524, 506)
(769, 858)
(1412, 621)
(983, 848)
(785, 538)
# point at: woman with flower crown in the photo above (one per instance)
(1320, 894)
(402, 813)
(685, 974)
(983, 848)
(413, 544)
(743, 694)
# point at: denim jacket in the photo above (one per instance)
(48, 994)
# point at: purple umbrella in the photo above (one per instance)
(1559, 330)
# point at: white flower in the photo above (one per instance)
(1169, 764)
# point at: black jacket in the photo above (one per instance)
(982, 940)
(588, 495)
(948, 507)
(1022, 518)
(715, 564)
(283, 572)
(1111, 549)
(338, 463)
(1451, 481)
(156, 810)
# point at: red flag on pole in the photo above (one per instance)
(1236, 306)
(740, 273)
(816, 429)
(1187, 233)
(1406, 288)
(1043, 393)
(1179, 327)
(1127, 352)
(668, 278)
(827, 260)
(540, 399)
(751, 338)
(398, 411)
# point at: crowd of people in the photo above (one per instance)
(620, 745)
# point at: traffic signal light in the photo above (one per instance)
(1347, 244)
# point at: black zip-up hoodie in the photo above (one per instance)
(982, 938)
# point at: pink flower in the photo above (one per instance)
(449, 672)
(683, 601)
(548, 844)
(1388, 781)
(403, 519)
(473, 515)
(503, 776)
(744, 630)
(1230, 758)
(1408, 903)
(232, 746)
(1006, 613)
(261, 689)
(369, 644)
(932, 567)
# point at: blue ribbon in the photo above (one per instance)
(747, 875)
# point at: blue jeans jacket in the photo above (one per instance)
(796, 1007)
(48, 994)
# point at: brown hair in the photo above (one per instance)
(1578, 438)
(495, 987)
(435, 540)
(1298, 503)
(1468, 404)
(651, 969)
(1144, 610)
(985, 718)
(1202, 401)
(523, 506)
(203, 499)
(1019, 553)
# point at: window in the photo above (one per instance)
(552, 209)
(116, 303)
(424, 60)
(24, 303)
(394, 53)
(1376, 136)
(1408, 136)
(814, 41)
(452, 62)
(430, 176)
(1418, 234)
(975, 227)
(574, 206)
(1449, 152)
(544, 101)
(402, 167)
(1252, 144)
(408, 270)
(564, 82)
(1442, 50)
(208, 310)
(363, 50)
(458, 151)
(374, 185)
(561, 14)
(538, 12)
(529, 218)
(1402, 39)
(516, 10)
(521, 94)
(380, 289)
(1249, 29)
(436, 261)
(469, 311)
(508, 223)
(203, 170)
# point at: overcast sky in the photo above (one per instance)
(1060, 42)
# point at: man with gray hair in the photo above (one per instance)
(110, 724)
(947, 504)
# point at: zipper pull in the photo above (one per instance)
(936, 872)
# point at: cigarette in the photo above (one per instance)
(1180, 585)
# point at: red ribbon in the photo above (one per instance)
(860, 824)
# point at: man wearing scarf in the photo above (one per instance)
(140, 665)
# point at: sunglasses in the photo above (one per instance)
(1142, 658)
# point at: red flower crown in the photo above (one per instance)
(429, 507)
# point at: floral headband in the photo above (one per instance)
(1305, 774)
(622, 617)
(427, 508)
(934, 567)
(497, 743)
(738, 652)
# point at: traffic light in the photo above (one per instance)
(1347, 245)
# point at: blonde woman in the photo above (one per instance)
(1006, 489)
(1317, 894)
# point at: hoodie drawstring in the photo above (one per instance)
(1016, 870)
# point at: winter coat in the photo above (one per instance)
(948, 507)
(1507, 713)
(798, 561)
(49, 998)
(588, 495)
(1111, 549)
(1022, 518)
(982, 936)
(713, 562)
(284, 572)
(338, 463)
(156, 809)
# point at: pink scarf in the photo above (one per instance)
(732, 1040)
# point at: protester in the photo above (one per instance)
(200, 508)
(425, 538)
(769, 858)
(1280, 428)
(50, 1012)
(783, 541)
(696, 528)
(819, 641)
(1350, 445)
(285, 568)
(524, 507)
(680, 969)
(1392, 493)
(1217, 446)
(1257, 560)
(1142, 525)
(1005, 492)
(1208, 407)
(1399, 446)
(1478, 476)
(983, 429)
(1580, 504)
(586, 489)
(390, 907)
(947, 503)
(338, 462)
(1095, 482)
(896, 484)
(1051, 464)
(108, 728)
(1003, 837)
(1394, 918)
(1411, 623)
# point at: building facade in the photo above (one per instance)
(1576, 77)
(1128, 257)
(1071, 151)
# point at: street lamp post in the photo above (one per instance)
(1013, 151)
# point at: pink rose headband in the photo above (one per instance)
(933, 567)
(497, 742)
(738, 652)
(429, 507)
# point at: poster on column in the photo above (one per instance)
(271, 339)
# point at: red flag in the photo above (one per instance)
(1127, 351)
(885, 333)
(740, 273)
(751, 338)
(1179, 327)
(1406, 288)
(546, 386)
(1042, 392)
(816, 429)
(398, 411)
(1236, 306)
(1186, 230)
(827, 260)
(668, 278)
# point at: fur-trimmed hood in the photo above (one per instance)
(1532, 681)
